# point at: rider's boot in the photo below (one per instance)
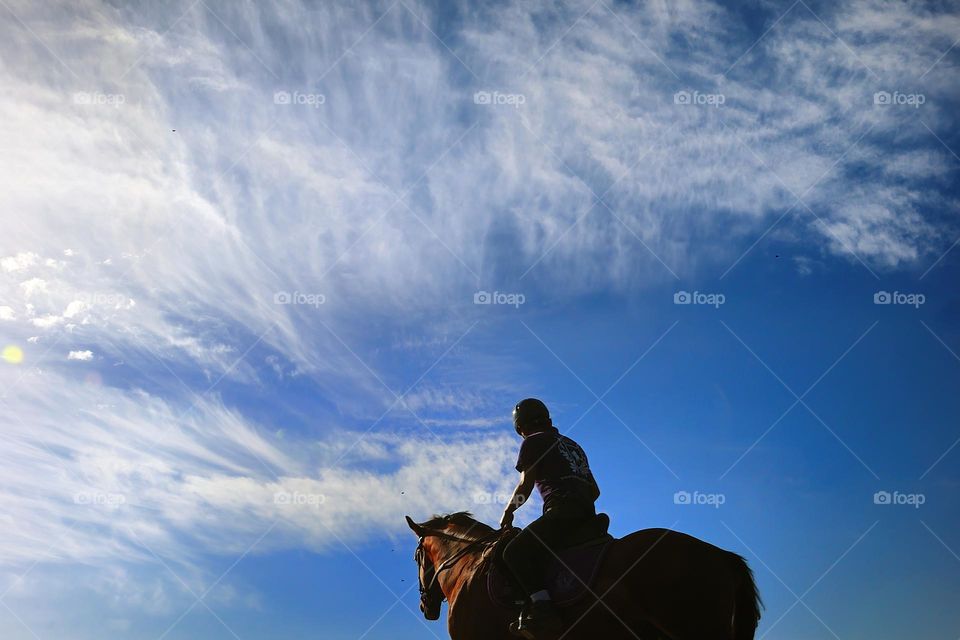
(539, 620)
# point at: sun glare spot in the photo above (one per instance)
(12, 354)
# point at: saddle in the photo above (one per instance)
(568, 578)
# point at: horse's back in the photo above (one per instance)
(666, 552)
(657, 572)
(664, 544)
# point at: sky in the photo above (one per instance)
(273, 275)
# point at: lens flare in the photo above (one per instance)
(12, 354)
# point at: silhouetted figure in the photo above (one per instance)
(559, 469)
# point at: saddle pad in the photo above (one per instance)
(567, 578)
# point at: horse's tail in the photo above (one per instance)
(747, 603)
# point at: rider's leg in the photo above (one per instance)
(529, 553)
(528, 556)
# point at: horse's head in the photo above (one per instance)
(431, 595)
(442, 541)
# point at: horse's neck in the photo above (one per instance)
(458, 570)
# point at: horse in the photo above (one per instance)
(652, 584)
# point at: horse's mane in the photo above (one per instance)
(461, 523)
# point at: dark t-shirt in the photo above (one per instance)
(559, 467)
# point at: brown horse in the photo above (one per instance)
(653, 583)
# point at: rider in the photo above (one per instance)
(559, 469)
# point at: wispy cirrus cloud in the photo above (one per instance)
(301, 197)
(116, 473)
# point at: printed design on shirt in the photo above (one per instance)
(575, 457)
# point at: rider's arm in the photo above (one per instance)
(520, 495)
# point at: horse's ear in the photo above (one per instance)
(417, 529)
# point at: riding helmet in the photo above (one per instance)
(530, 413)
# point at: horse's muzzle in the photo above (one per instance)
(430, 610)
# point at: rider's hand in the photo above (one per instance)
(507, 520)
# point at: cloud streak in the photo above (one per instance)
(110, 474)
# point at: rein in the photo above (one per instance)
(448, 562)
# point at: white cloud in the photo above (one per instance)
(129, 466)
(204, 226)
(18, 262)
(6, 313)
(481, 422)
(46, 322)
(33, 286)
(80, 355)
(434, 398)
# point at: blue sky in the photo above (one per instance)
(243, 249)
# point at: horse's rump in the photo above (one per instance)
(659, 573)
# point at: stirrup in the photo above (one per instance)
(515, 631)
(523, 629)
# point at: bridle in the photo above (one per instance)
(426, 599)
